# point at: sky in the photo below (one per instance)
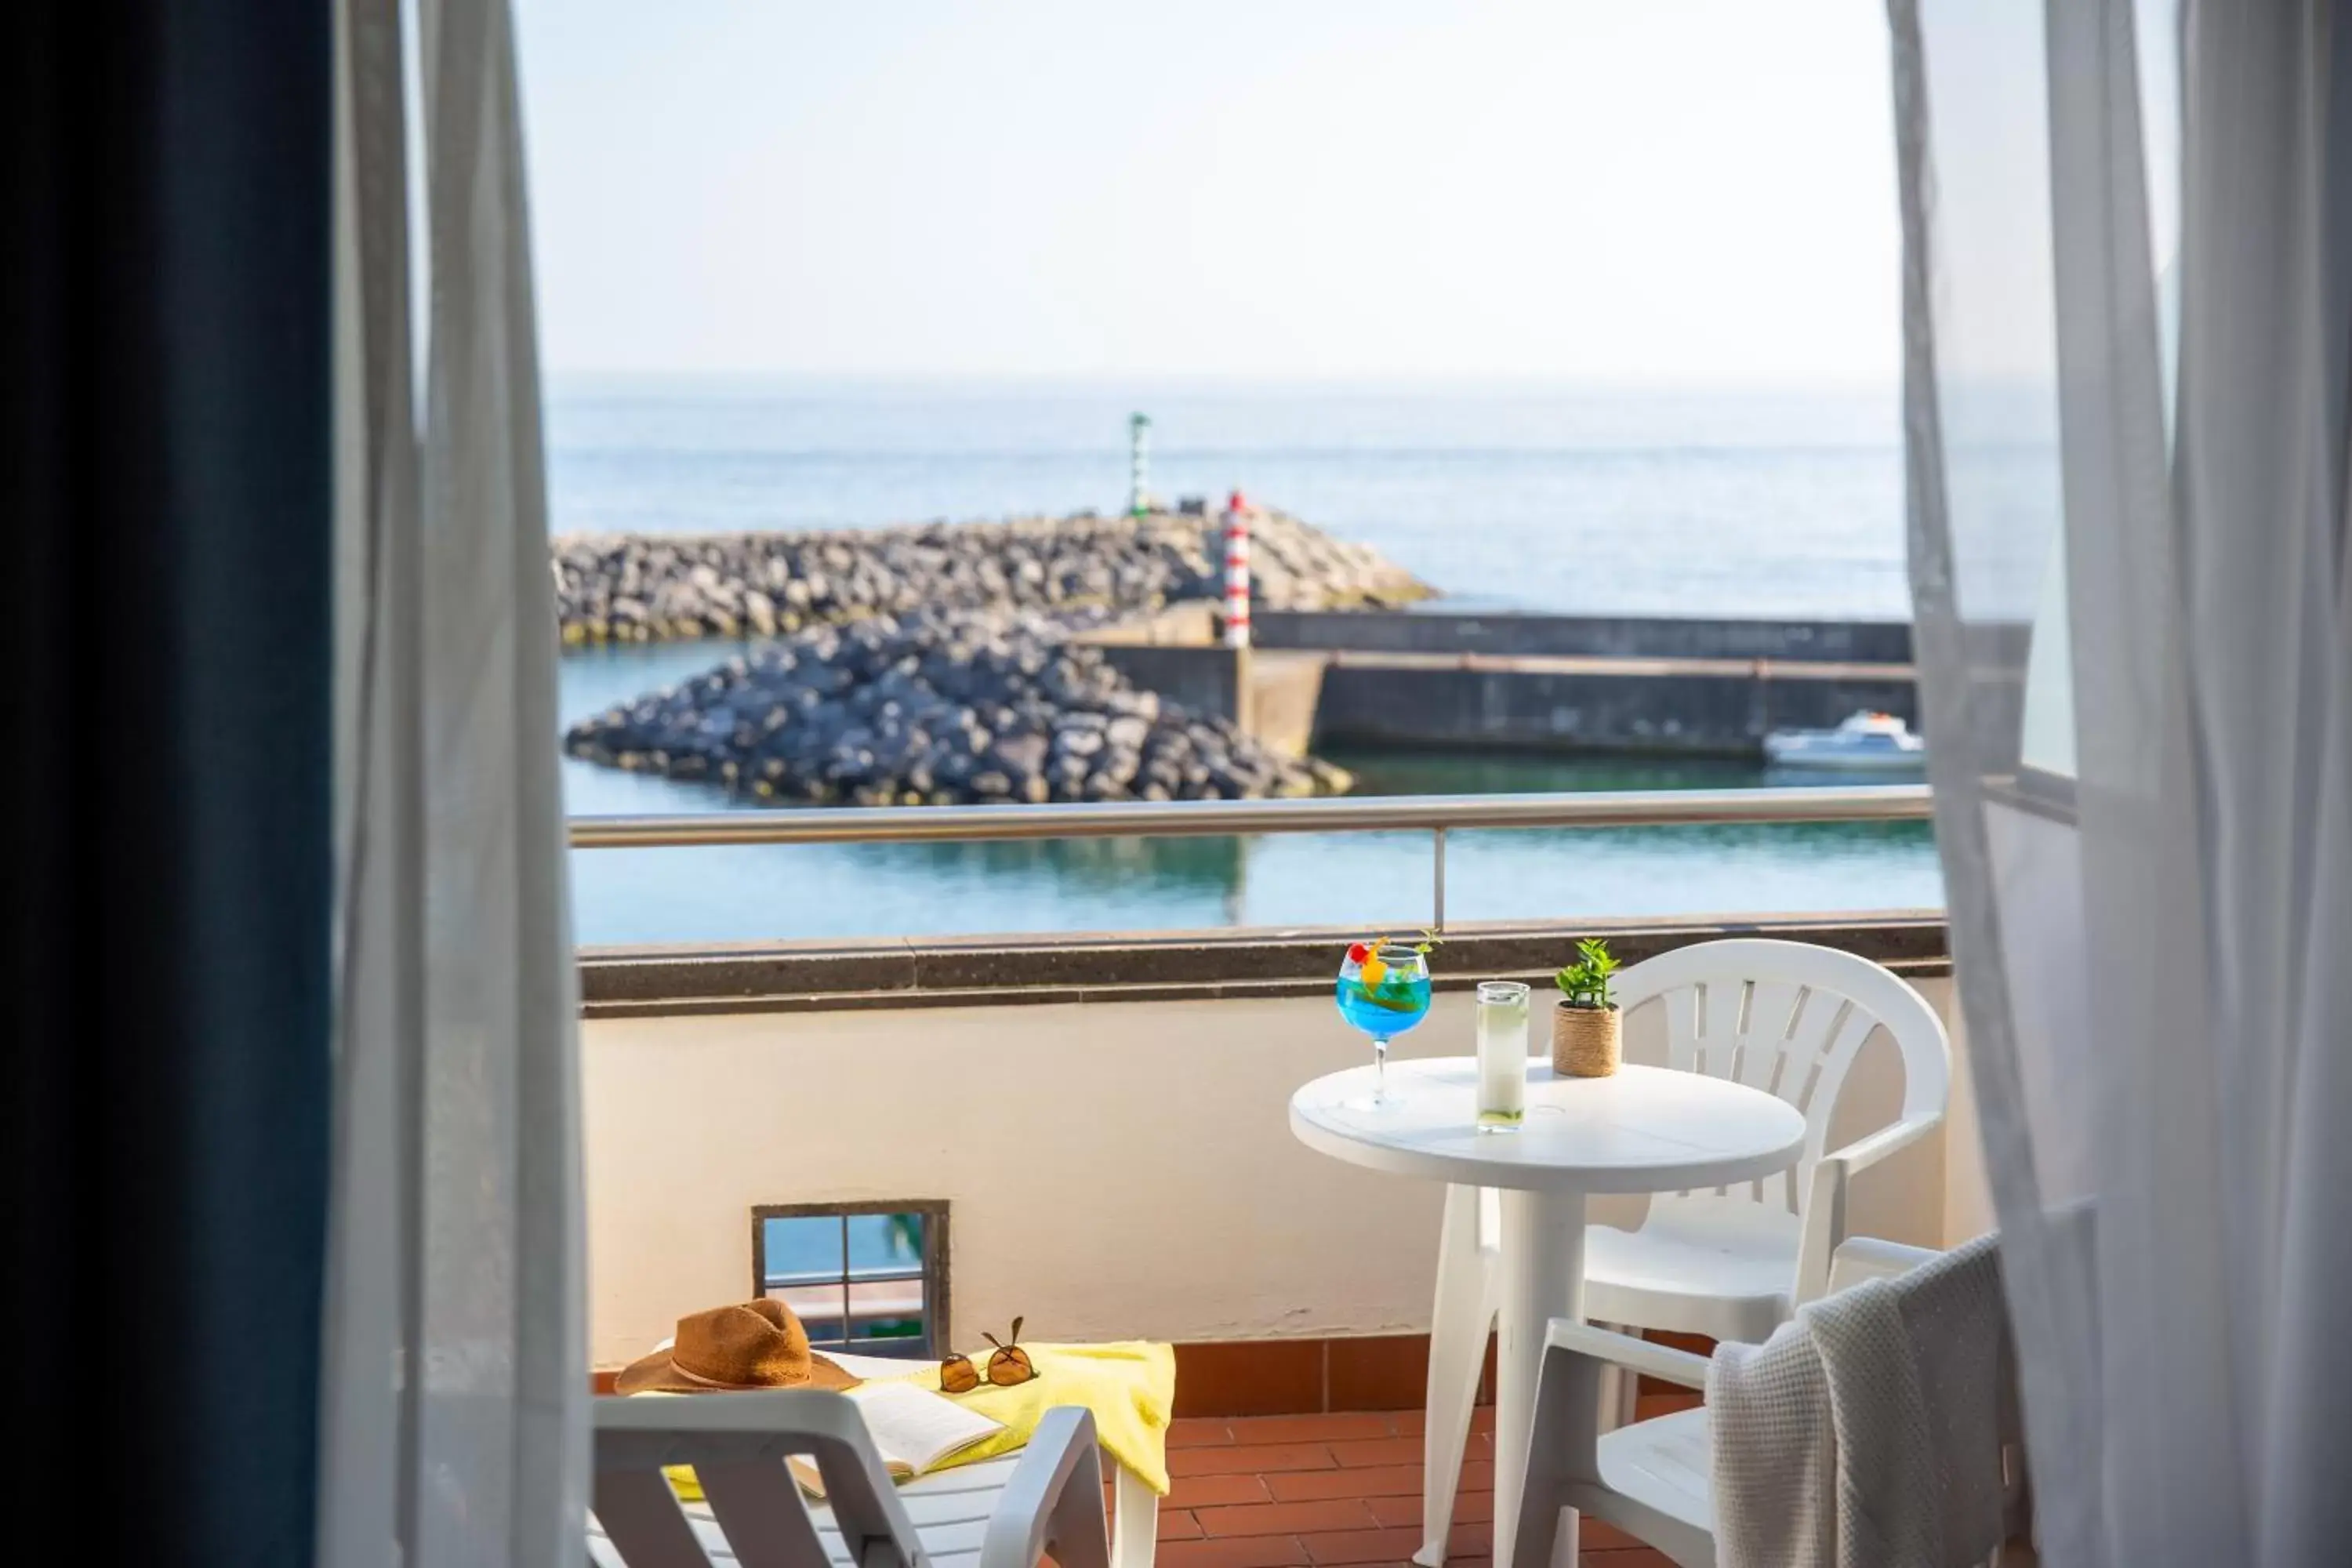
(1685, 193)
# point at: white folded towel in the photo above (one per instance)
(1867, 1434)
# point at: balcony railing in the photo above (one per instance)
(1436, 814)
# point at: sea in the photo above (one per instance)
(1754, 503)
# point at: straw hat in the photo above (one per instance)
(758, 1344)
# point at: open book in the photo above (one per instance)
(913, 1428)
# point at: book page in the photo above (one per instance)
(917, 1428)
(913, 1430)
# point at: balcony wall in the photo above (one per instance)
(1115, 1168)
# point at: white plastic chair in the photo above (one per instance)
(999, 1513)
(1784, 1016)
(1654, 1479)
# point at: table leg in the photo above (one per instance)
(1543, 1279)
(1461, 1324)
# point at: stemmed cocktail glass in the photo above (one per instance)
(1383, 990)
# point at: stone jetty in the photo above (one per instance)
(653, 587)
(938, 707)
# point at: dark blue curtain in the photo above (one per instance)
(166, 870)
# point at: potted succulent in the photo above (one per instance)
(1585, 1024)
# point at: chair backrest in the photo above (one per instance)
(738, 1444)
(1789, 1019)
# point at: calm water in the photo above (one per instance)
(1647, 503)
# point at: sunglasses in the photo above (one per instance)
(1008, 1366)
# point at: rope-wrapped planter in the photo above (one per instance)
(1585, 1040)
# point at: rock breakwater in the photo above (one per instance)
(653, 587)
(937, 708)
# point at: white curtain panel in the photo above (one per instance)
(2128, 280)
(454, 1420)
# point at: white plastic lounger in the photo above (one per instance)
(1000, 1513)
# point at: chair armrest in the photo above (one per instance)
(1623, 1349)
(1863, 1258)
(1054, 1500)
(1867, 1150)
(1824, 1226)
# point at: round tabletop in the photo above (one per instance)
(1643, 1129)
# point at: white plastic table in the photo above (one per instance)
(1644, 1129)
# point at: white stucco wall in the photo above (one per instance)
(1115, 1170)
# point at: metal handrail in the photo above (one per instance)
(1192, 818)
(1435, 814)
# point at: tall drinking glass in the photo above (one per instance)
(1502, 1055)
(1384, 993)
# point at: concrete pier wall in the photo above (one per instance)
(1205, 680)
(1519, 705)
(1585, 636)
(1526, 682)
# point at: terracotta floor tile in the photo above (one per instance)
(1470, 1507)
(1311, 1428)
(1373, 1480)
(1369, 1480)
(1176, 1524)
(1382, 1451)
(1220, 1491)
(1611, 1546)
(1236, 1552)
(1478, 1509)
(1194, 1431)
(1414, 1422)
(1341, 1491)
(1599, 1535)
(1249, 1458)
(1652, 1404)
(1361, 1546)
(1262, 1377)
(1355, 1546)
(1469, 1541)
(1285, 1518)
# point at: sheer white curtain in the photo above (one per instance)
(454, 1419)
(2127, 289)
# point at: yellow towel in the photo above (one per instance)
(1129, 1385)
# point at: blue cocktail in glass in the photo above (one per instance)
(1384, 992)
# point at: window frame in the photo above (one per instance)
(931, 1270)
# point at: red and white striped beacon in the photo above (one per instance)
(1237, 581)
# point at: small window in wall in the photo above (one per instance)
(871, 1279)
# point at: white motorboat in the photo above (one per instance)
(1866, 741)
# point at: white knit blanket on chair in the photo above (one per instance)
(1868, 1433)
